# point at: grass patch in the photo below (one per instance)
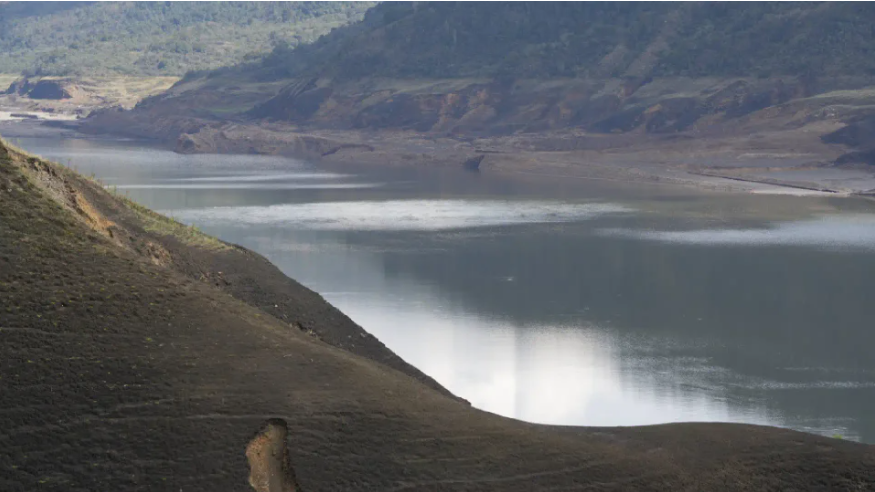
(150, 220)
(160, 224)
(14, 149)
(126, 90)
(227, 110)
(864, 95)
(6, 79)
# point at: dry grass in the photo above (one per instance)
(866, 94)
(14, 149)
(121, 90)
(151, 221)
(159, 224)
(125, 90)
(6, 79)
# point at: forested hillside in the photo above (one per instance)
(476, 68)
(525, 39)
(156, 38)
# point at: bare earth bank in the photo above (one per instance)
(779, 162)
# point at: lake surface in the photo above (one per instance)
(586, 303)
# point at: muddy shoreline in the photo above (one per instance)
(780, 163)
(719, 163)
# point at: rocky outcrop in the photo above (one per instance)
(473, 163)
(19, 87)
(859, 135)
(505, 107)
(158, 125)
(270, 468)
(40, 88)
(235, 139)
(49, 89)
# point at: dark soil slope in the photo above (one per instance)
(137, 354)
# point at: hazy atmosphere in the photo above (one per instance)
(437, 246)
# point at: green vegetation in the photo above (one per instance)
(156, 38)
(639, 39)
(150, 220)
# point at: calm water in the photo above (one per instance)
(570, 303)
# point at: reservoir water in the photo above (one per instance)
(563, 302)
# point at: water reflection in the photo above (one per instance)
(604, 332)
(248, 186)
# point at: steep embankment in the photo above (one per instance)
(137, 353)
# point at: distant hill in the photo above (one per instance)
(595, 39)
(156, 38)
(480, 69)
(605, 67)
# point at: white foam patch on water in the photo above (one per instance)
(401, 214)
(831, 232)
(249, 186)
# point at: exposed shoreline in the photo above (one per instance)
(728, 164)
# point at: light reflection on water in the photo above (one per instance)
(248, 186)
(545, 374)
(426, 215)
(829, 232)
(588, 305)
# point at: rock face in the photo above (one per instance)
(270, 468)
(40, 89)
(49, 89)
(495, 107)
(230, 139)
(859, 135)
(19, 87)
(473, 163)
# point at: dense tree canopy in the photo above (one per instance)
(545, 39)
(156, 38)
